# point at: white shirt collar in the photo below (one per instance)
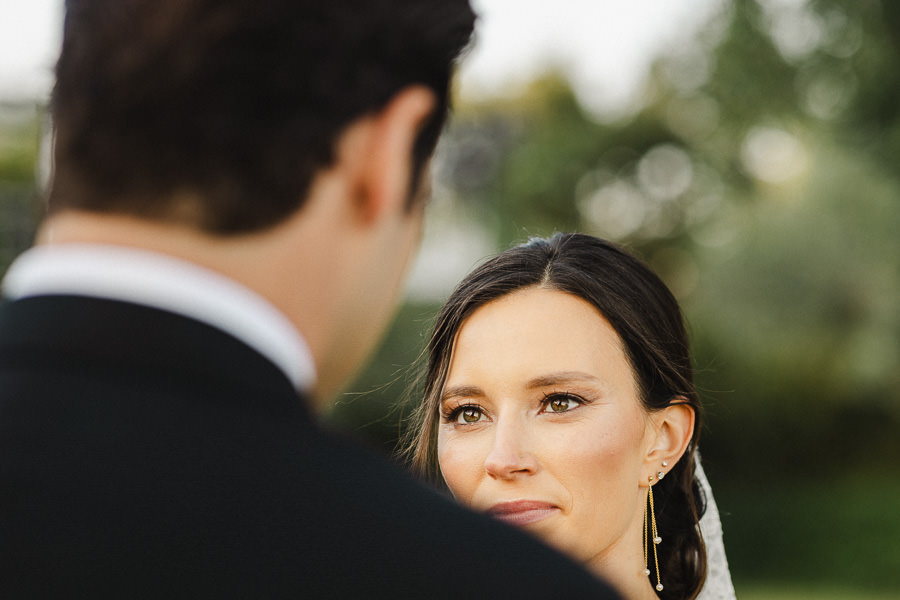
(170, 284)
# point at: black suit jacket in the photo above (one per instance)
(144, 454)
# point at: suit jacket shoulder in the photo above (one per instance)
(143, 454)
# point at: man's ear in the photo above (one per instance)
(671, 430)
(387, 166)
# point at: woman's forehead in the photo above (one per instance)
(541, 330)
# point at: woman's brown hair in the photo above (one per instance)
(647, 318)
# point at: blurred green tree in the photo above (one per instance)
(760, 179)
(745, 183)
(19, 143)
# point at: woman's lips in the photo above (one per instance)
(522, 512)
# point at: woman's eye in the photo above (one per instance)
(469, 415)
(561, 403)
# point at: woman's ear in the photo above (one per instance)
(671, 430)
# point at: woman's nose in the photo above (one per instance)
(510, 455)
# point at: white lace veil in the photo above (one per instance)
(718, 584)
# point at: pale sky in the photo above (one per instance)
(29, 42)
(604, 45)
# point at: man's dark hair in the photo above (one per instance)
(218, 113)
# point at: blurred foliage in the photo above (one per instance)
(809, 592)
(817, 533)
(19, 143)
(760, 178)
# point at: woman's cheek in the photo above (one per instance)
(455, 461)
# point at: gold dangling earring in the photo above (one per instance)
(656, 538)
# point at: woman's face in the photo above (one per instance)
(541, 424)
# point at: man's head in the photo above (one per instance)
(218, 114)
(279, 142)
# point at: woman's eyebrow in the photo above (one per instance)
(462, 391)
(561, 377)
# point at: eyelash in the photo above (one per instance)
(452, 415)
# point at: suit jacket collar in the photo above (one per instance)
(151, 279)
(109, 338)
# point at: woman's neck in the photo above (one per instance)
(622, 565)
(629, 580)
